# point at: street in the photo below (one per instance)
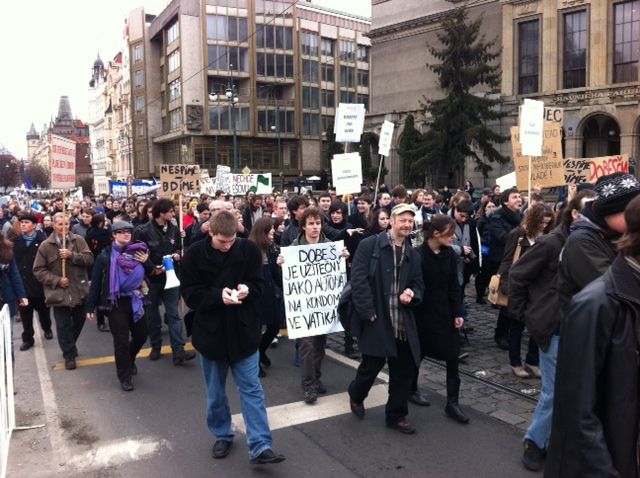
(91, 428)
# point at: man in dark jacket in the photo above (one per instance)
(503, 220)
(387, 328)
(163, 239)
(25, 248)
(296, 205)
(252, 212)
(597, 400)
(222, 284)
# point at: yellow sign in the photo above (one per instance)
(246, 170)
(547, 171)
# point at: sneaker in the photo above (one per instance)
(181, 356)
(310, 396)
(520, 372)
(267, 457)
(70, 364)
(532, 370)
(533, 457)
(155, 354)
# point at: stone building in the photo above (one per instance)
(262, 75)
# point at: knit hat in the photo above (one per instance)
(28, 217)
(613, 193)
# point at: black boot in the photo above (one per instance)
(453, 409)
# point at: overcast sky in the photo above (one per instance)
(48, 49)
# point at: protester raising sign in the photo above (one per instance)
(313, 278)
(179, 179)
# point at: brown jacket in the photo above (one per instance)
(47, 268)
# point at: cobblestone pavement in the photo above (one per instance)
(488, 384)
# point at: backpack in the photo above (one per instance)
(346, 310)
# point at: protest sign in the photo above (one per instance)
(605, 165)
(179, 179)
(507, 181)
(208, 186)
(62, 162)
(531, 126)
(313, 277)
(576, 170)
(547, 170)
(386, 135)
(349, 122)
(241, 184)
(346, 171)
(223, 181)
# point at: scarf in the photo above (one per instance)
(28, 239)
(126, 276)
(397, 321)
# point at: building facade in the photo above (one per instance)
(100, 162)
(582, 56)
(242, 83)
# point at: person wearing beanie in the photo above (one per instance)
(594, 428)
(590, 248)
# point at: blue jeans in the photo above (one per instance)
(170, 299)
(540, 428)
(245, 374)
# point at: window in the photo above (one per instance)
(528, 52)
(364, 99)
(310, 97)
(175, 119)
(326, 46)
(173, 32)
(347, 51)
(626, 41)
(137, 53)
(139, 104)
(140, 129)
(274, 36)
(138, 79)
(228, 58)
(363, 78)
(175, 89)
(173, 61)
(347, 96)
(328, 72)
(328, 99)
(310, 124)
(309, 43)
(575, 50)
(225, 28)
(278, 119)
(220, 117)
(363, 53)
(310, 71)
(347, 76)
(268, 64)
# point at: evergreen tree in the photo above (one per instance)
(458, 124)
(411, 150)
(333, 148)
(368, 171)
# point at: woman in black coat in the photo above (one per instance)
(98, 237)
(271, 301)
(439, 316)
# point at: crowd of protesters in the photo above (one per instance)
(570, 271)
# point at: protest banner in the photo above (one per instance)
(346, 171)
(62, 162)
(179, 179)
(507, 181)
(576, 170)
(386, 135)
(313, 277)
(241, 184)
(547, 170)
(531, 127)
(208, 186)
(349, 122)
(605, 165)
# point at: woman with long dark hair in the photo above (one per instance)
(439, 316)
(271, 301)
(98, 237)
(379, 222)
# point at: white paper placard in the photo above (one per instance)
(313, 277)
(349, 122)
(531, 127)
(346, 171)
(386, 135)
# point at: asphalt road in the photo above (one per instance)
(87, 427)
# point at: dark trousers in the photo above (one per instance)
(311, 354)
(26, 316)
(453, 375)
(270, 333)
(125, 346)
(69, 323)
(515, 337)
(484, 277)
(402, 371)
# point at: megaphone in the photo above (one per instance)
(172, 278)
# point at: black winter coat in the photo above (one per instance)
(25, 256)
(160, 243)
(501, 222)
(371, 297)
(272, 301)
(223, 332)
(533, 291)
(441, 304)
(515, 236)
(596, 404)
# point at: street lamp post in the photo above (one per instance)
(230, 95)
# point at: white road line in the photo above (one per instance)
(297, 413)
(54, 425)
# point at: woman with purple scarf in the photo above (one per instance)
(118, 288)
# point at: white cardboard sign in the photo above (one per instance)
(531, 126)
(386, 135)
(346, 171)
(349, 122)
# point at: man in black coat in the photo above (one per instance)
(25, 248)
(384, 322)
(222, 284)
(503, 220)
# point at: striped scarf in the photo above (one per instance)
(397, 321)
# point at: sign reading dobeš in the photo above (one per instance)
(313, 277)
(547, 171)
(588, 170)
(179, 179)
